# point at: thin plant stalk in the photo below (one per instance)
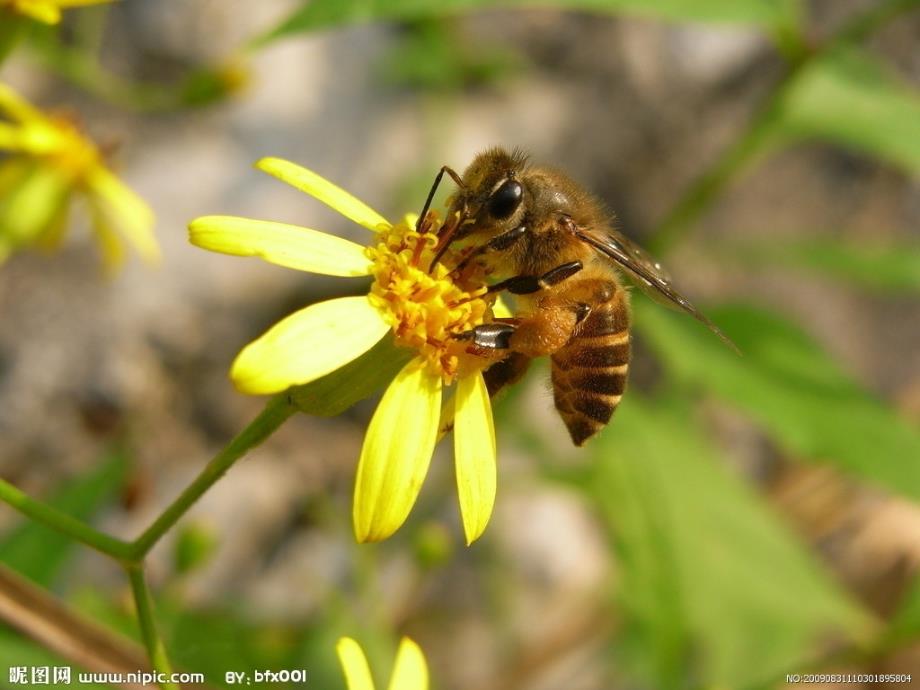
(274, 414)
(143, 603)
(65, 524)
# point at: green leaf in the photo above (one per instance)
(336, 392)
(717, 592)
(325, 14)
(850, 98)
(885, 268)
(39, 552)
(905, 624)
(195, 545)
(218, 640)
(789, 386)
(430, 54)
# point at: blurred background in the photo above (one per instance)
(742, 518)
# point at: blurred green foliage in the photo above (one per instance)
(430, 55)
(906, 623)
(195, 544)
(714, 589)
(16, 651)
(886, 268)
(325, 14)
(41, 554)
(789, 386)
(38, 552)
(850, 98)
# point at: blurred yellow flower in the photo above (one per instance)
(46, 11)
(49, 162)
(424, 310)
(410, 672)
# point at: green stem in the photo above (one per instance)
(144, 605)
(275, 413)
(63, 523)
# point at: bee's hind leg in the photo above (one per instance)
(545, 331)
(490, 336)
(505, 372)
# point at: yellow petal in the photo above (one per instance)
(410, 671)
(278, 243)
(354, 664)
(446, 421)
(396, 452)
(321, 188)
(53, 234)
(126, 211)
(16, 107)
(49, 11)
(308, 344)
(31, 196)
(39, 139)
(500, 309)
(474, 455)
(80, 3)
(10, 136)
(39, 11)
(110, 244)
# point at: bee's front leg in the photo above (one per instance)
(500, 243)
(526, 285)
(434, 187)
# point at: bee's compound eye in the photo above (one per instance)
(505, 200)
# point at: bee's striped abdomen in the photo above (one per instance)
(589, 374)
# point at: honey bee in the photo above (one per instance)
(563, 260)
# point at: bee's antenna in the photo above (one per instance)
(434, 188)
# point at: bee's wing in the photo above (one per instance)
(647, 273)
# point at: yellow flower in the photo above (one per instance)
(46, 11)
(49, 162)
(410, 672)
(424, 311)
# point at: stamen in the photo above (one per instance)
(419, 247)
(427, 310)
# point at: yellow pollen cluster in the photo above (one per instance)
(426, 310)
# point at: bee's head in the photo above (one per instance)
(493, 197)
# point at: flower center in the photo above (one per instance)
(427, 311)
(77, 154)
